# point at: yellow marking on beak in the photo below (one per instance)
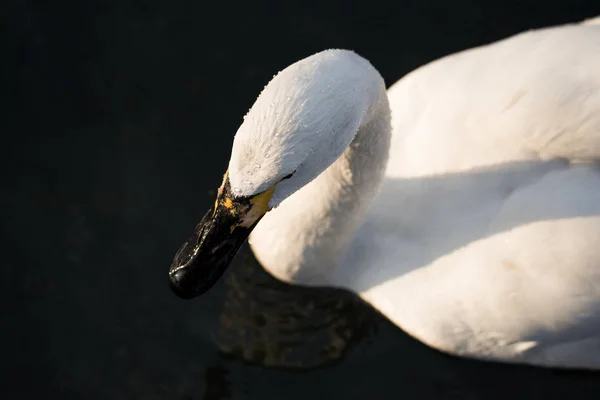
(259, 205)
(220, 191)
(228, 203)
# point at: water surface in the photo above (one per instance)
(118, 131)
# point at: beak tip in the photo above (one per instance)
(176, 287)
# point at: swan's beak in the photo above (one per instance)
(203, 259)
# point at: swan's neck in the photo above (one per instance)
(303, 239)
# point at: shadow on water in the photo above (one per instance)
(269, 323)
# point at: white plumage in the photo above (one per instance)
(470, 218)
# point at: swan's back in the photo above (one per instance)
(533, 96)
(484, 238)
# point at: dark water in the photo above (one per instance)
(120, 119)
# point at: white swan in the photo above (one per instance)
(472, 221)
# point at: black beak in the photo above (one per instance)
(203, 259)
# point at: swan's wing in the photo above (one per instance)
(477, 244)
(475, 270)
(535, 95)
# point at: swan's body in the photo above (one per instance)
(480, 233)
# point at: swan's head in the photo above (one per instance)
(300, 124)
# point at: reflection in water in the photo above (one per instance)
(274, 324)
(268, 331)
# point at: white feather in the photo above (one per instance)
(471, 220)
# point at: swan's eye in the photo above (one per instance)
(288, 176)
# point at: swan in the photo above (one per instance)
(463, 203)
